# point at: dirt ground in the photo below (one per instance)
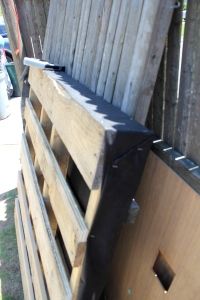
(10, 278)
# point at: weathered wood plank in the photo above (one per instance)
(108, 47)
(117, 49)
(172, 75)
(62, 200)
(160, 32)
(67, 25)
(85, 146)
(85, 13)
(23, 257)
(74, 34)
(51, 260)
(100, 45)
(187, 127)
(127, 51)
(37, 277)
(94, 25)
(147, 55)
(48, 33)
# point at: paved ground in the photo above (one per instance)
(10, 134)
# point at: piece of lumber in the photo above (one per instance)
(174, 42)
(94, 25)
(50, 258)
(65, 103)
(127, 51)
(23, 257)
(146, 58)
(81, 38)
(36, 272)
(76, 20)
(89, 218)
(117, 50)
(100, 45)
(188, 122)
(62, 200)
(115, 11)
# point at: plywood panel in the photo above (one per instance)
(168, 222)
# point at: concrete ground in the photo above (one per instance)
(10, 135)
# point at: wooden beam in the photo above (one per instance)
(62, 200)
(23, 257)
(51, 260)
(37, 276)
(146, 58)
(85, 145)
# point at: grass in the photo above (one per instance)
(10, 278)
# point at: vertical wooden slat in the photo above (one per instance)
(117, 49)
(148, 51)
(188, 123)
(127, 52)
(100, 45)
(74, 34)
(172, 75)
(158, 99)
(23, 257)
(83, 26)
(108, 47)
(94, 26)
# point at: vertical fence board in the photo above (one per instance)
(127, 51)
(188, 107)
(172, 75)
(100, 44)
(117, 49)
(108, 47)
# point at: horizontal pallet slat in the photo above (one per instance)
(71, 223)
(37, 277)
(56, 279)
(67, 115)
(23, 257)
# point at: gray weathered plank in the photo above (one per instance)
(127, 52)
(117, 49)
(108, 47)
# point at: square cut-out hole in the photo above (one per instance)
(163, 271)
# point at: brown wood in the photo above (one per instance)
(168, 222)
(172, 75)
(188, 106)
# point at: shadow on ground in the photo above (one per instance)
(10, 278)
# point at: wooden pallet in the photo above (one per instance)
(66, 133)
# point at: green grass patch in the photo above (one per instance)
(10, 278)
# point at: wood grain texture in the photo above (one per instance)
(117, 50)
(108, 47)
(94, 26)
(172, 75)
(127, 51)
(168, 222)
(36, 272)
(83, 27)
(85, 146)
(50, 257)
(62, 200)
(146, 58)
(101, 43)
(23, 257)
(187, 127)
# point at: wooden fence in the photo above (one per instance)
(112, 47)
(175, 109)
